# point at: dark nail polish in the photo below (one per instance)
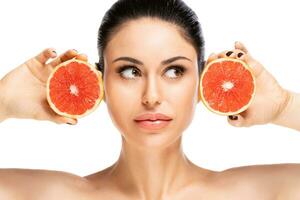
(240, 54)
(54, 51)
(69, 123)
(229, 53)
(75, 50)
(233, 117)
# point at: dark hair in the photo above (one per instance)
(173, 11)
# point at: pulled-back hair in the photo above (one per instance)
(172, 11)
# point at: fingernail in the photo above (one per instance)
(233, 117)
(75, 50)
(229, 53)
(70, 123)
(54, 51)
(240, 54)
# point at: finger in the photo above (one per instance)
(64, 120)
(211, 57)
(227, 54)
(45, 55)
(236, 54)
(240, 120)
(239, 54)
(241, 46)
(53, 117)
(82, 57)
(64, 57)
(236, 120)
(256, 67)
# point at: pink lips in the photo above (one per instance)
(152, 116)
(152, 121)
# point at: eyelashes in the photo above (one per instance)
(178, 69)
(123, 68)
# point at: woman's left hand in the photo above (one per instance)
(270, 98)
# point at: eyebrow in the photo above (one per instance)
(165, 62)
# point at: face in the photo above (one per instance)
(150, 68)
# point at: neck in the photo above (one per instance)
(152, 173)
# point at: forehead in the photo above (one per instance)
(149, 38)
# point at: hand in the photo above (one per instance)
(23, 90)
(270, 98)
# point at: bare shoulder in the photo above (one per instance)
(273, 181)
(41, 184)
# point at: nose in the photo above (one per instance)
(151, 96)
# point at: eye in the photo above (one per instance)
(172, 71)
(128, 71)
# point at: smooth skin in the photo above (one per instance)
(152, 164)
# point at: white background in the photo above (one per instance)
(270, 30)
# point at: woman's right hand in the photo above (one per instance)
(270, 98)
(23, 90)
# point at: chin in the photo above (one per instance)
(153, 140)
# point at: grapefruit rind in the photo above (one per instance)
(201, 86)
(99, 75)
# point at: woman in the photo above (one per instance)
(151, 56)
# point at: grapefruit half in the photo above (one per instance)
(227, 86)
(74, 88)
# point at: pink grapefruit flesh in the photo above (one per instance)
(74, 89)
(227, 86)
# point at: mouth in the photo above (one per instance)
(153, 124)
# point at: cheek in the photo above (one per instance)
(184, 101)
(120, 100)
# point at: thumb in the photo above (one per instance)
(236, 120)
(64, 120)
